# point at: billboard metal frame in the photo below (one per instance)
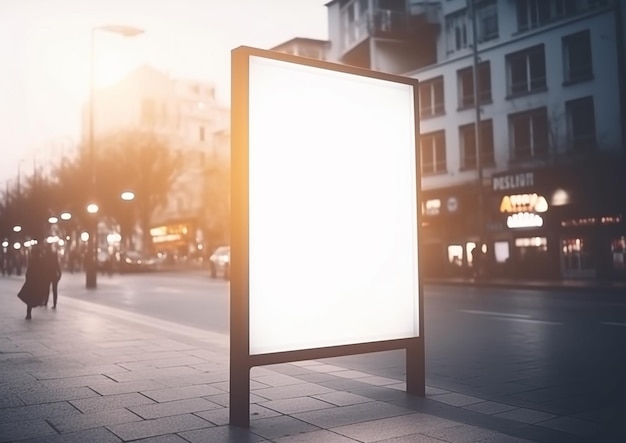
(241, 361)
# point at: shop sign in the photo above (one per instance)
(523, 203)
(168, 233)
(432, 207)
(523, 210)
(513, 181)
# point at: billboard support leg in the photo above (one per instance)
(239, 395)
(415, 368)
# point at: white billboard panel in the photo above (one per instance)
(333, 236)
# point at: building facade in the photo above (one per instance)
(544, 195)
(185, 113)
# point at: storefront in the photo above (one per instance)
(176, 240)
(449, 229)
(558, 222)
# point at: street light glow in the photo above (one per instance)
(128, 195)
(52, 220)
(93, 208)
(17, 228)
(66, 216)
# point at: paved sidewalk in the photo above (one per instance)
(88, 373)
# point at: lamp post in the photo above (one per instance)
(91, 271)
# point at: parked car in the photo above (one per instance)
(219, 263)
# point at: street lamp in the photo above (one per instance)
(91, 271)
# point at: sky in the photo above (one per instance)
(45, 58)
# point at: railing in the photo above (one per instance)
(383, 23)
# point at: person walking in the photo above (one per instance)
(53, 273)
(36, 285)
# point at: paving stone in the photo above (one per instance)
(25, 429)
(526, 415)
(93, 420)
(77, 372)
(125, 387)
(221, 434)
(170, 394)
(342, 398)
(176, 407)
(378, 381)
(224, 399)
(39, 396)
(466, 434)
(97, 435)
(110, 402)
(199, 378)
(456, 399)
(299, 390)
(489, 407)
(315, 437)
(576, 426)
(345, 415)
(159, 426)
(393, 427)
(413, 438)
(317, 377)
(276, 427)
(152, 374)
(30, 412)
(218, 417)
(70, 382)
(9, 401)
(347, 373)
(169, 438)
(298, 404)
(277, 380)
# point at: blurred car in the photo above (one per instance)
(219, 263)
(134, 261)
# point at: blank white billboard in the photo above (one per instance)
(333, 236)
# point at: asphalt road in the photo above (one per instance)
(557, 352)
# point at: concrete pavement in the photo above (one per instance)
(84, 372)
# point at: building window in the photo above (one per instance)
(431, 97)
(201, 133)
(581, 124)
(467, 137)
(466, 85)
(532, 14)
(456, 31)
(529, 134)
(433, 152)
(487, 20)
(577, 57)
(526, 71)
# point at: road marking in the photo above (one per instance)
(526, 320)
(613, 323)
(497, 314)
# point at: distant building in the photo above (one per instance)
(551, 88)
(186, 113)
(305, 47)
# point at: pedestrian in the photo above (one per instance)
(36, 286)
(53, 273)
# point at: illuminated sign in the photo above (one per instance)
(513, 181)
(523, 203)
(432, 207)
(523, 209)
(524, 220)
